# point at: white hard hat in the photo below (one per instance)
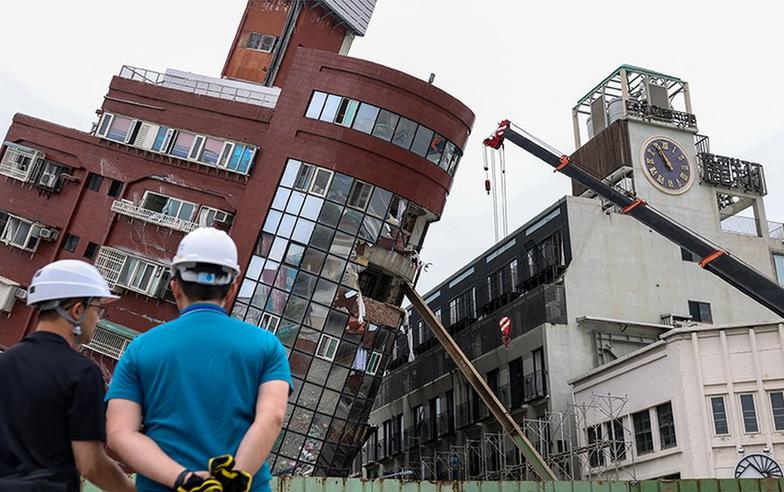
(210, 246)
(67, 279)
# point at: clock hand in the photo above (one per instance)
(664, 157)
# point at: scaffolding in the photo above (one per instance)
(564, 440)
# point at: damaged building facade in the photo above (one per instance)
(326, 170)
(582, 285)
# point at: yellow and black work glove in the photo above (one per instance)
(195, 483)
(222, 468)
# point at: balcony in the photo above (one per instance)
(231, 90)
(729, 172)
(127, 271)
(130, 209)
(111, 339)
(747, 226)
(646, 111)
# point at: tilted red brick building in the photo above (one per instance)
(326, 170)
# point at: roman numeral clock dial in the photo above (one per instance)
(666, 165)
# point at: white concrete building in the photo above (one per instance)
(583, 283)
(696, 403)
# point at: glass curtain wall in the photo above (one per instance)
(302, 284)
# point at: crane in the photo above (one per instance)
(712, 257)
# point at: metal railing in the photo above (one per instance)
(200, 87)
(720, 170)
(108, 343)
(747, 226)
(130, 209)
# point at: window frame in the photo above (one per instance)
(775, 427)
(778, 267)
(374, 362)
(264, 322)
(261, 38)
(9, 234)
(136, 273)
(743, 412)
(659, 410)
(713, 415)
(52, 171)
(169, 199)
(642, 432)
(330, 345)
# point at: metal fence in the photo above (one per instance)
(201, 87)
(331, 484)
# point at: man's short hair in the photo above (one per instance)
(51, 314)
(201, 292)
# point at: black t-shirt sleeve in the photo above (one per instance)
(86, 412)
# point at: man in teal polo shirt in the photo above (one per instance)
(202, 386)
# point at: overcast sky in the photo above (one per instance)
(528, 61)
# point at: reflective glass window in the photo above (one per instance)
(404, 133)
(316, 103)
(350, 221)
(366, 118)
(422, 141)
(330, 108)
(346, 112)
(312, 207)
(330, 214)
(340, 188)
(321, 237)
(385, 125)
(436, 149)
(313, 260)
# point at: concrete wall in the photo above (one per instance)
(686, 368)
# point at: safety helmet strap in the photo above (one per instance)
(76, 323)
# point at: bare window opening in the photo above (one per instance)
(738, 215)
(375, 284)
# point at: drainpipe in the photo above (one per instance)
(280, 50)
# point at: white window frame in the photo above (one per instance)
(9, 165)
(112, 117)
(351, 192)
(772, 416)
(308, 180)
(149, 132)
(374, 361)
(52, 171)
(327, 347)
(11, 228)
(223, 163)
(313, 181)
(108, 343)
(169, 199)
(268, 320)
(111, 262)
(756, 413)
(104, 118)
(713, 416)
(264, 37)
(205, 210)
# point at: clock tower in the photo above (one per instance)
(636, 129)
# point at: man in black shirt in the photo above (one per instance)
(52, 420)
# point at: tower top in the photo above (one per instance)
(634, 92)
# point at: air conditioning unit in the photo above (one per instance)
(674, 320)
(7, 296)
(48, 234)
(223, 218)
(21, 294)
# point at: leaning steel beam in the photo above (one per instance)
(717, 261)
(475, 379)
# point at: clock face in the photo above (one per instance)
(666, 165)
(757, 466)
